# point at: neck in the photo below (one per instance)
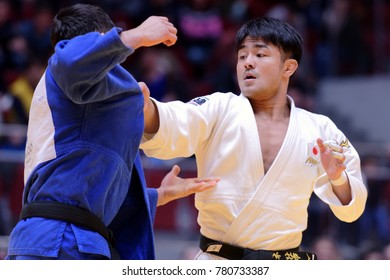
(276, 108)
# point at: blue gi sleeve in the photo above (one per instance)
(153, 197)
(87, 69)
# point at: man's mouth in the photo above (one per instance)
(249, 76)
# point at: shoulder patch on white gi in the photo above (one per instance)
(312, 154)
(198, 101)
(345, 143)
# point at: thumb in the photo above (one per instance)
(175, 170)
(320, 144)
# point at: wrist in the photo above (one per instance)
(340, 181)
(161, 197)
(130, 39)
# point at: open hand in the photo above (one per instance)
(174, 187)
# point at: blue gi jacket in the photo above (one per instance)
(85, 126)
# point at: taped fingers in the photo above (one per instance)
(331, 144)
(337, 150)
(337, 155)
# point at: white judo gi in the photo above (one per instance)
(249, 208)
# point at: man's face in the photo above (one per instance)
(259, 68)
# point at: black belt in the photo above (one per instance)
(231, 252)
(71, 214)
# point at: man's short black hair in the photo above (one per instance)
(274, 31)
(77, 20)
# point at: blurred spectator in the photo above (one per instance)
(375, 254)
(160, 69)
(253, 8)
(11, 176)
(36, 30)
(386, 252)
(302, 94)
(23, 88)
(375, 221)
(18, 53)
(220, 72)
(6, 31)
(6, 223)
(370, 250)
(190, 253)
(132, 11)
(326, 248)
(9, 107)
(6, 103)
(163, 8)
(287, 11)
(342, 42)
(200, 25)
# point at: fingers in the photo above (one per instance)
(339, 156)
(172, 39)
(153, 31)
(336, 150)
(201, 186)
(171, 42)
(199, 180)
(333, 145)
(170, 27)
(184, 189)
(172, 34)
(166, 29)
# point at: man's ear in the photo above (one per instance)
(290, 66)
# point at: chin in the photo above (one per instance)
(248, 93)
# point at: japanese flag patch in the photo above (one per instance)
(312, 154)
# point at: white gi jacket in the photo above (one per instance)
(249, 208)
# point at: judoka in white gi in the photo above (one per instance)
(269, 154)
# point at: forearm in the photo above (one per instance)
(346, 210)
(343, 191)
(151, 117)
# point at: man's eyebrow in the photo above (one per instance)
(256, 45)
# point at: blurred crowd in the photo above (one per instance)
(342, 38)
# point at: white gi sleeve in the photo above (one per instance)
(183, 127)
(323, 187)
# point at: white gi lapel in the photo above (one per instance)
(250, 211)
(253, 141)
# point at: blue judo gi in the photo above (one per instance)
(85, 126)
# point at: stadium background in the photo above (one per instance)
(345, 73)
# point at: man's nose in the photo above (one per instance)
(249, 63)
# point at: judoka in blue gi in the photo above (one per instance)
(85, 194)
